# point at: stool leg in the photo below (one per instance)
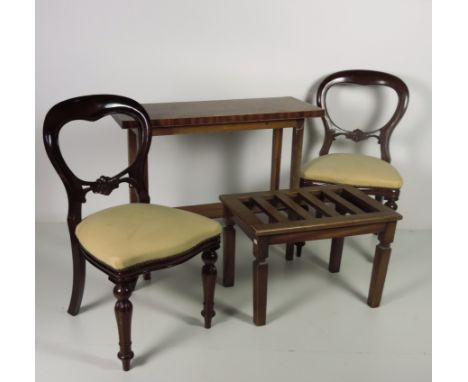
(379, 269)
(260, 284)
(335, 254)
(229, 254)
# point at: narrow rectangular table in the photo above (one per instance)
(309, 213)
(229, 115)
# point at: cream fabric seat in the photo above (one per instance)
(130, 234)
(354, 170)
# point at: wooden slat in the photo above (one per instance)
(342, 202)
(269, 209)
(286, 200)
(241, 211)
(358, 196)
(318, 204)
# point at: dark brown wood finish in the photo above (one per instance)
(293, 217)
(379, 269)
(229, 249)
(275, 113)
(363, 78)
(92, 108)
(209, 282)
(260, 281)
(381, 134)
(277, 145)
(204, 113)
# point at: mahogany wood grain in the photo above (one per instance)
(203, 113)
(274, 113)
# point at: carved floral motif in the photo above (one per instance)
(104, 185)
(356, 135)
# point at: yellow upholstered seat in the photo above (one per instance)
(130, 234)
(354, 170)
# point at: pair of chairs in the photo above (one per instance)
(132, 240)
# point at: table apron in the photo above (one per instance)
(324, 233)
(225, 127)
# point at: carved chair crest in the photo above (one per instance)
(92, 108)
(365, 78)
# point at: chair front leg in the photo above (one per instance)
(123, 314)
(209, 282)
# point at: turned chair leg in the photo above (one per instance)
(209, 282)
(79, 276)
(123, 314)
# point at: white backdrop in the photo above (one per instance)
(174, 50)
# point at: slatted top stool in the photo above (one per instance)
(310, 213)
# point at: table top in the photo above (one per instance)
(224, 111)
(305, 209)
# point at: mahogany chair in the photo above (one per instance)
(374, 176)
(128, 240)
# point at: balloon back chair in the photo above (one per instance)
(128, 240)
(374, 176)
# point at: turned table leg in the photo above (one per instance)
(379, 270)
(229, 254)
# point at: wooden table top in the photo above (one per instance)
(289, 211)
(224, 111)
